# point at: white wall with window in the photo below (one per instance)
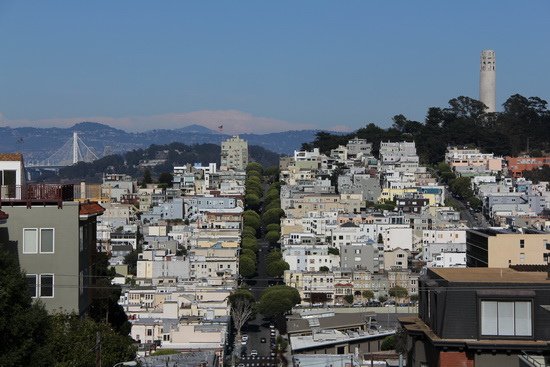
(506, 318)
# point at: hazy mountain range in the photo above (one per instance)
(40, 143)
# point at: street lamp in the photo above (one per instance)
(129, 363)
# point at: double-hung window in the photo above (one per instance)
(32, 284)
(46, 285)
(37, 240)
(30, 240)
(506, 318)
(47, 243)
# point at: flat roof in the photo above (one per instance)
(490, 275)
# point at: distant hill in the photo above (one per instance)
(38, 144)
(174, 154)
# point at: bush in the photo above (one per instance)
(324, 268)
(388, 343)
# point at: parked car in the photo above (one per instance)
(357, 304)
(374, 304)
(253, 353)
(244, 338)
(262, 340)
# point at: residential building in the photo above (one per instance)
(478, 317)
(54, 239)
(234, 154)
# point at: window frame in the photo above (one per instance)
(53, 285)
(37, 240)
(36, 277)
(512, 300)
(40, 240)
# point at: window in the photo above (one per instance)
(32, 284)
(506, 318)
(30, 240)
(521, 243)
(46, 285)
(47, 240)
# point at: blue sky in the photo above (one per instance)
(260, 65)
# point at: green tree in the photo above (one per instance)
(333, 251)
(248, 253)
(165, 179)
(247, 266)
(254, 166)
(272, 237)
(398, 292)
(274, 255)
(277, 268)
(368, 294)
(324, 268)
(462, 187)
(348, 298)
(274, 204)
(73, 341)
(272, 216)
(382, 298)
(250, 243)
(251, 221)
(252, 201)
(277, 300)
(24, 326)
(273, 227)
(247, 230)
(147, 179)
(131, 260)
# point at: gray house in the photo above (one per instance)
(54, 240)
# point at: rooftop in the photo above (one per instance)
(415, 325)
(490, 275)
(11, 157)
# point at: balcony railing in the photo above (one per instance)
(35, 194)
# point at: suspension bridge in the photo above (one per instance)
(73, 151)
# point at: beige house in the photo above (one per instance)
(234, 154)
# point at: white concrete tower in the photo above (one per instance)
(487, 80)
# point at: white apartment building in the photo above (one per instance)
(310, 258)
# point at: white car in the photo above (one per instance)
(253, 353)
(244, 338)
